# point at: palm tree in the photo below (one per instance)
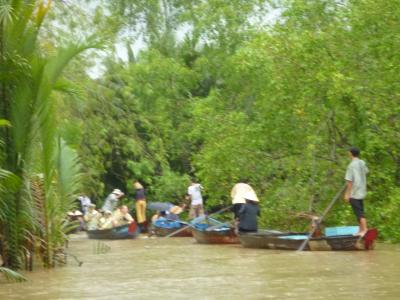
(32, 150)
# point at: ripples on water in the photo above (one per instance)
(178, 268)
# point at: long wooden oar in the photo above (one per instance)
(327, 209)
(197, 220)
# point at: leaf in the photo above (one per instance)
(4, 123)
(11, 275)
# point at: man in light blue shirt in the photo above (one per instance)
(356, 177)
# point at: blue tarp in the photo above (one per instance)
(342, 230)
(163, 223)
(294, 237)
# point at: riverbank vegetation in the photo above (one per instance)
(95, 94)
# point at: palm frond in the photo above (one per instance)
(38, 198)
(33, 207)
(4, 123)
(58, 63)
(68, 88)
(11, 275)
(42, 11)
(9, 182)
(6, 11)
(69, 175)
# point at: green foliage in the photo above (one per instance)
(278, 105)
(170, 187)
(11, 275)
(35, 207)
(134, 132)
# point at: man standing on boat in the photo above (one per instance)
(196, 199)
(140, 205)
(356, 177)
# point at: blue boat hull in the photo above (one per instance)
(116, 233)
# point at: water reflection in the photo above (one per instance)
(178, 268)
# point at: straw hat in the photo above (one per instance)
(176, 210)
(137, 185)
(117, 192)
(251, 196)
(78, 213)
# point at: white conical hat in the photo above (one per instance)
(117, 192)
(251, 196)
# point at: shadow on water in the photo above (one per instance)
(178, 268)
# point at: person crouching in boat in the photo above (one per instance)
(173, 213)
(157, 220)
(248, 213)
(315, 224)
(160, 215)
(121, 216)
(106, 222)
(91, 217)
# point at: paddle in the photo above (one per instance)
(327, 209)
(197, 220)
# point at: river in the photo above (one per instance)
(178, 268)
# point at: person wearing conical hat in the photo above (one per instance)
(112, 200)
(248, 213)
(238, 192)
(140, 205)
(174, 211)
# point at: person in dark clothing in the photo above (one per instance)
(248, 214)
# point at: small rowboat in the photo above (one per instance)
(128, 231)
(293, 241)
(205, 234)
(166, 230)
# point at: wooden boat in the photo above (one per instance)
(293, 241)
(128, 231)
(210, 235)
(163, 231)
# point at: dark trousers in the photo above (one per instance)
(358, 207)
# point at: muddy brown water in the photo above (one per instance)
(179, 268)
